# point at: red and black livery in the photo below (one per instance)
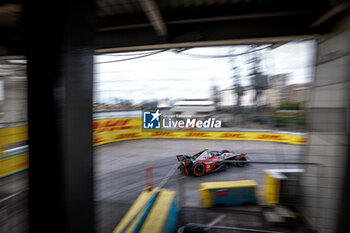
(205, 161)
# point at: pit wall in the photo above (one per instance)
(121, 129)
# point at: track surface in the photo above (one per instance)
(120, 170)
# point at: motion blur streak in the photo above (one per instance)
(89, 102)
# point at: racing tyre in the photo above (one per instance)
(198, 169)
(241, 158)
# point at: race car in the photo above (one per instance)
(205, 161)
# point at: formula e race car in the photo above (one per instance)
(206, 161)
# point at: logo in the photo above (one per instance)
(151, 120)
(156, 120)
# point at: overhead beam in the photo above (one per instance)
(210, 19)
(330, 14)
(153, 14)
(234, 30)
(266, 40)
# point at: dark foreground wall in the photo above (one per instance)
(328, 137)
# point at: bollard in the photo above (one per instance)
(149, 178)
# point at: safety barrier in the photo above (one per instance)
(158, 216)
(12, 135)
(228, 193)
(162, 217)
(273, 180)
(13, 164)
(120, 129)
(113, 130)
(128, 224)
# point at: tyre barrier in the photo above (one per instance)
(159, 215)
(228, 193)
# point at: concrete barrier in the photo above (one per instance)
(273, 179)
(130, 225)
(163, 216)
(228, 193)
(158, 216)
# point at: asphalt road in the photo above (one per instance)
(120, 170)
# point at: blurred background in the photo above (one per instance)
(259, 87)
(72, 97)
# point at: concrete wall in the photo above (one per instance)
(328, 138)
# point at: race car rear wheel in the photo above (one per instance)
(241, 158)
(198, 169)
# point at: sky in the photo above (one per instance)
(192, 73)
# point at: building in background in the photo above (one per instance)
(197, 108)
(298, 92)
(227, 97)
(13, 95)
(248, 98)
(1, 100)
(164, 104)
(278, 91)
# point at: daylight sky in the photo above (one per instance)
(185, 75)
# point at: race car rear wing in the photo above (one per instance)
(180, 158)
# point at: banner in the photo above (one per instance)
(106, 126)
(13, 135)
(247, 136)
(113, 130)
(13, 164)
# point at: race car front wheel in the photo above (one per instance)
(198, 169)
(241, 158)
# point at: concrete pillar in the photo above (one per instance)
(60, 77)
(328, 131)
